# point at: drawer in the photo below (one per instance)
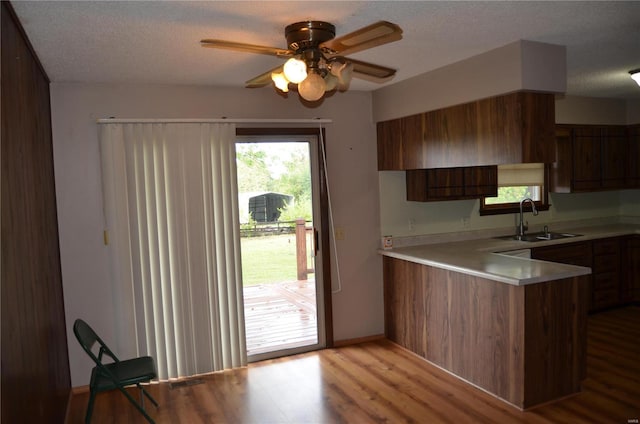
(606, 281)
(604, 298)
(606, 263)
(573, 254)
(609, 246)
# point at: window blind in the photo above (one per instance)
(521, 174)
(171, 209)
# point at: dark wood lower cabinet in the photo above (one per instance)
(606, 276)
(614, 263)
(573, 254)
(630, 290)
(524, 344)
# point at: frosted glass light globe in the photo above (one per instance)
(635, 75)
(312, 88)
(280, 81)
(295, 70)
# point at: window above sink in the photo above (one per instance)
(516, 182)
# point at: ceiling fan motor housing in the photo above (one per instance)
(309, 34)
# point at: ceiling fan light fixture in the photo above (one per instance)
(342, 69)
(344, 79)
(280, 81)
(331, 82)
(635, 74)
(295, 70)
(316, 62)
(312, 88)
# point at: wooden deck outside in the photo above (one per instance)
(280, 316)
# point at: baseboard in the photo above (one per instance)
(68, 408)
(358, 340)
(79, 389)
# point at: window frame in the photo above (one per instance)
(514, 207)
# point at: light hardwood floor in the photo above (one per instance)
(380, 382)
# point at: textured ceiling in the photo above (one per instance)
(158, 42)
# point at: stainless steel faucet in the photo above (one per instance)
(521, 226)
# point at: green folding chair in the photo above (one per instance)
(115, 374)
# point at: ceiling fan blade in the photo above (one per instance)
(262, 79)
(244, 47)
(371, 72)
(365, 38)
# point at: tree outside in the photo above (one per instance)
(279, 168)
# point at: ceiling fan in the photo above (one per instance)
(316, 59)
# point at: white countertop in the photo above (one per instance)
(482, 258)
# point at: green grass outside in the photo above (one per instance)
(268, 259)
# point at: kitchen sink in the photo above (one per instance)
(540, 236)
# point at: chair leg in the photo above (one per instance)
(142, 390)
(92, 397)
(136, 404)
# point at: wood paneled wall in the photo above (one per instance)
(35, 364)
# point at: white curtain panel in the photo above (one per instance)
(171, 210)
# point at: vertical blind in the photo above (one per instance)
(171, 209)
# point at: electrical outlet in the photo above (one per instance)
(412, 224)
(339, 233)
(465, 221)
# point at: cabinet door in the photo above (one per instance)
(573, 254)
(614, 151)
(561, 174)
(538, 120)
(435, 184)
(413, 149)
(451, 183)
(606, 273)
(632, 175)
(450, 137)
(630, 291)
(400, 144)
(389, 145)
(481, 181)
(586, 159)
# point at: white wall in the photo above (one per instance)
(521, 65)
(352, 170)
(401, 218)
(590, 111)
(633, 111)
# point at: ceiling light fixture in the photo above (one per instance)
(315, 63)
(314, 74)
(635, 74)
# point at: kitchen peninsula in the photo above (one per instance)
(514, 327)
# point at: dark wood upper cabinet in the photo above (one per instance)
(425, 185)
(632, 176)
(594, 158)
(586, 159)
(614, 154)
(513, 128)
